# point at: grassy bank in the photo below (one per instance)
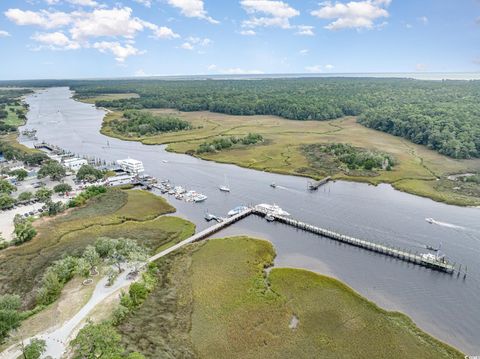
(129, 214)
(215, 300)
(416, 171)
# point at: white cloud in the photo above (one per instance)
(43, 18)
(147, 3)
(314, 68)
(107, 22)
(248, 33)
(77, 28)
(164, 32)
(319, 68)
(192, 8)
(266, 13)
(187, 46)
(409, 26)
(423, 20)
(4, 33)
(56, 41)
(305, 30)
(194, 43)
(212, 67)
(84, 2)
(304, 51)
(354, 14)
(121, 52)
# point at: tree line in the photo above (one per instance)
(443, 115)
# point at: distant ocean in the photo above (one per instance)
(438, 76)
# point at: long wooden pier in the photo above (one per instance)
(204, 234)
(440, 265)
(314, 185)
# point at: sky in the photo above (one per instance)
(124, 38)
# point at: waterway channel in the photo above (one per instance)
(444, 305)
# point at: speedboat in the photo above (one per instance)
(236, 210)
(199, 198)
(273, 185)
(430, 220)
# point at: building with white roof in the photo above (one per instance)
(131, 166)
(74, 163)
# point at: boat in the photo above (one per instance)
(432, 248)
(224, 187)
(236, 210)
(269, 218)
(199, 198)
(430, 220)
(429, 257)
(272, 209)
(273, 185)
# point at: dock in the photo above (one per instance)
(400, 254)
(205, 233)
(314, 185)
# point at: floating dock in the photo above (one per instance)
(314, 185)
(404, 255)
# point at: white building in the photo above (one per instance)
(131, 166)
(74, 164)
(119, 180)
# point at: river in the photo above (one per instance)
(444, 305)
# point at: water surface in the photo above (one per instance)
(444, 305)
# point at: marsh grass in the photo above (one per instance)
(416, 170)
(114, 214)
(215, 300)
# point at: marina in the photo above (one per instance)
(439, 303)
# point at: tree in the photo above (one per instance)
(43, 194)
(89, 173)
(20, 174)
(35, 159)
(24, 230)
(6, 201)
(53, 169)
(25, 196)
(91, 255)
(62, 188)
(54, 208)
(9, 314)
(119, 251)
(6, 187)
(97, 341)
(35, 349)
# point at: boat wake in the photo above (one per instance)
(445, 224)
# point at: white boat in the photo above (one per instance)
(272, 209)
(236, 210)
(430, 220)
(273, 185)
(269, 218)
(224, 187)
(199, 198)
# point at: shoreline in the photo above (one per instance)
(395, 184)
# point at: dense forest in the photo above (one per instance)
(443, 115)
(140, 123)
